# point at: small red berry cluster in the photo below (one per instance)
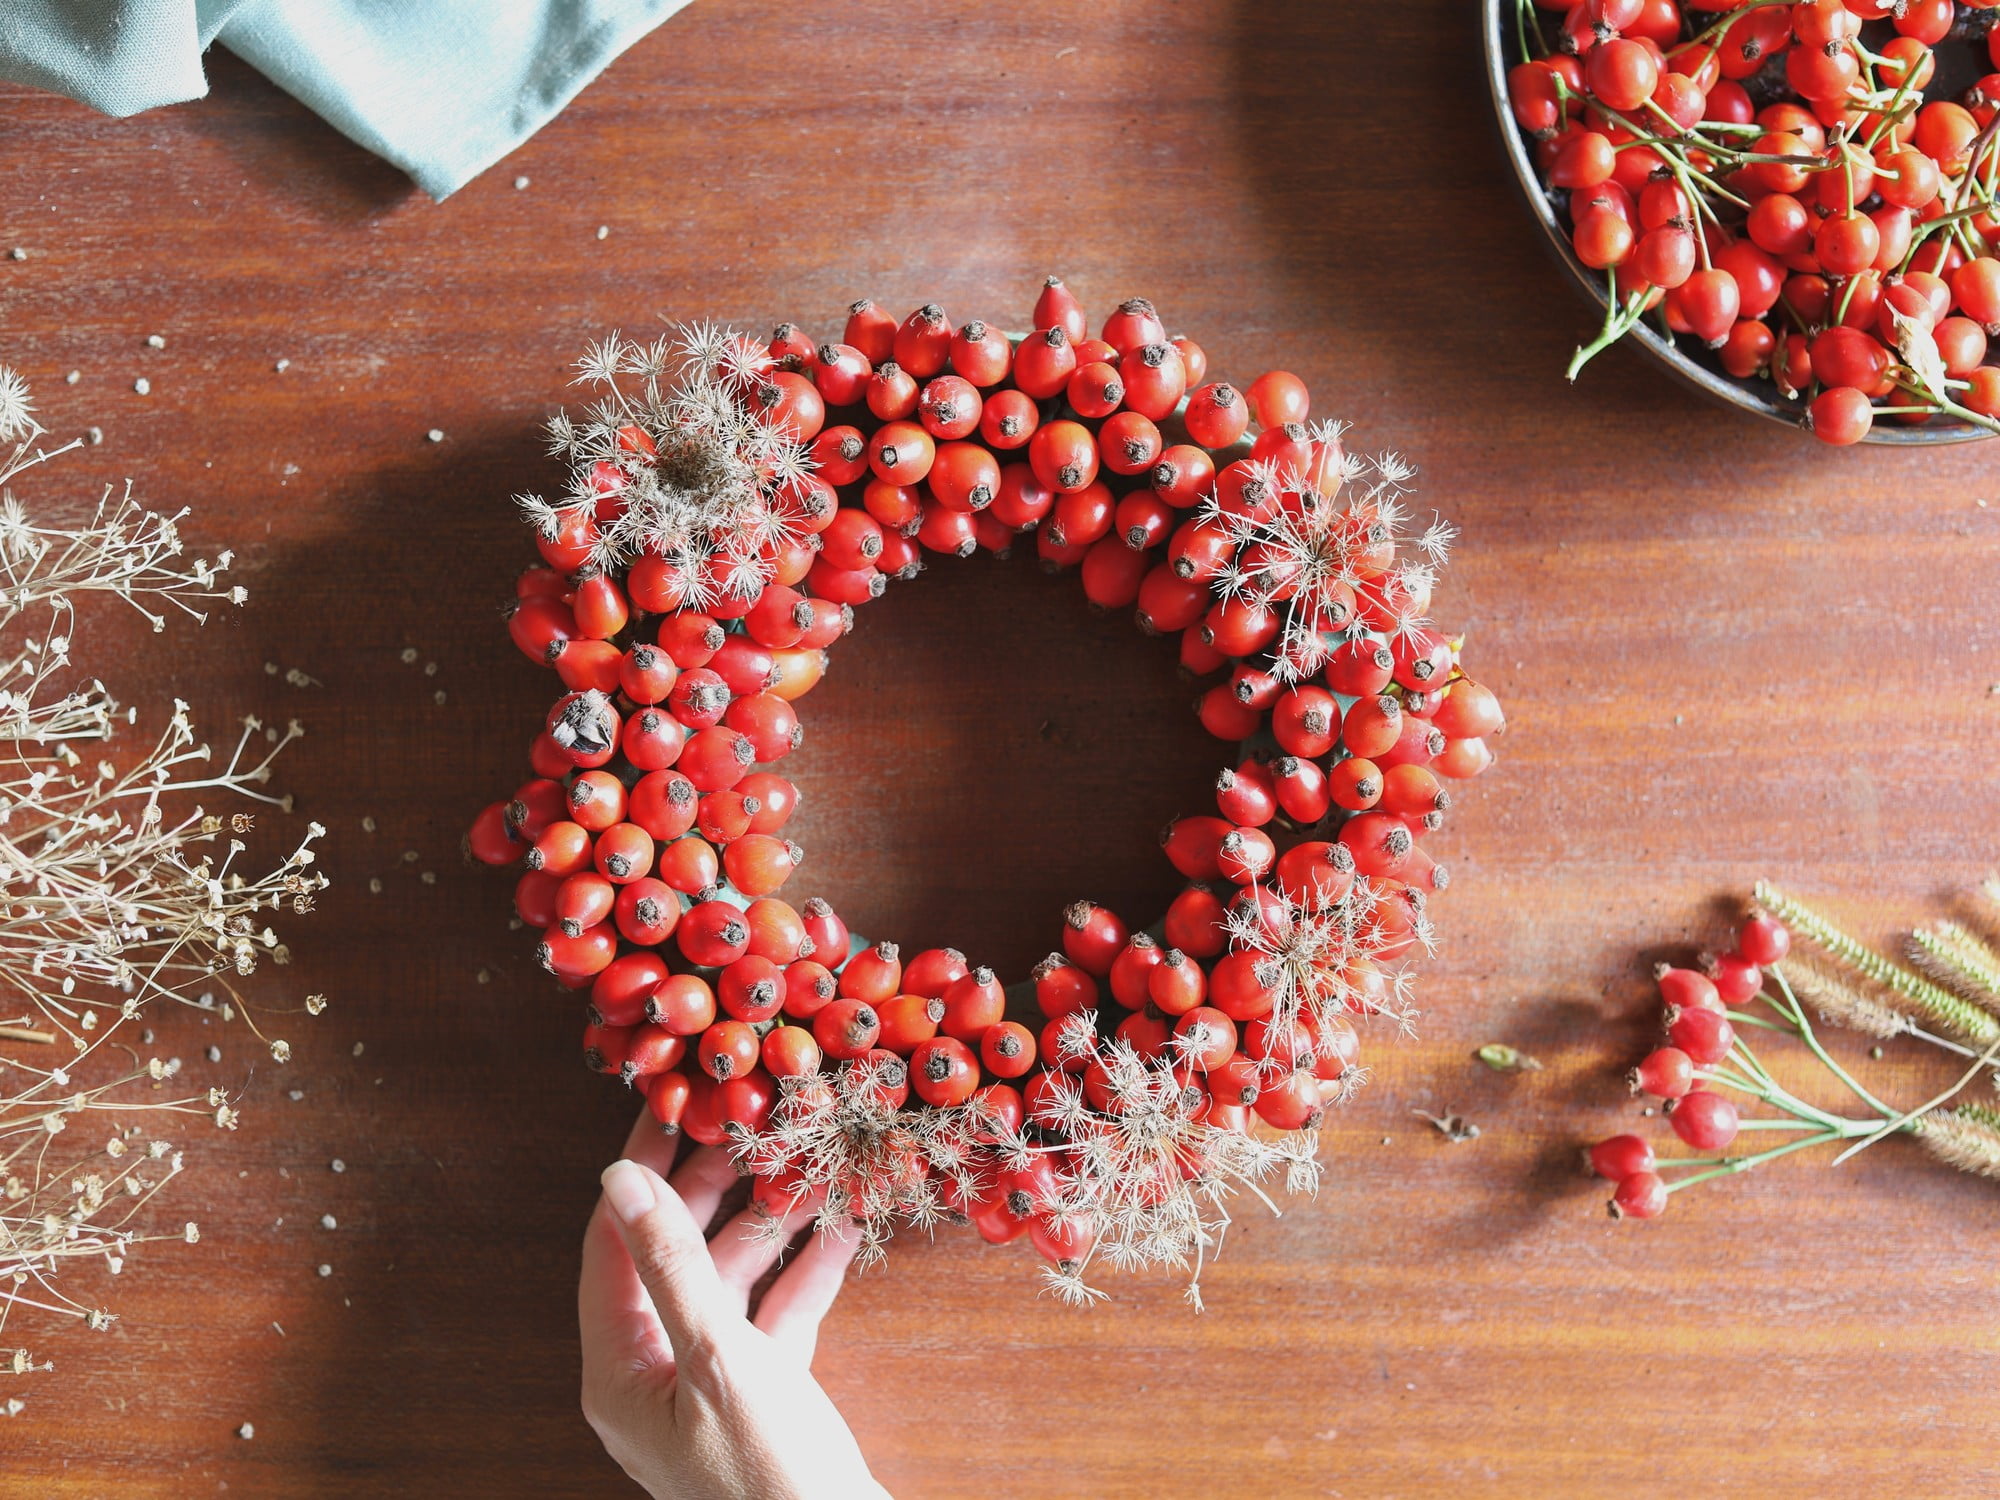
(1687, 1071)
(1708, 1075)
(732, 502)
(1788, 184)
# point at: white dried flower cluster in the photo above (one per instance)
(1317, 537)
(1314, 963)
(1143, 1184)
(1147, 1182)
(117, 892)
(17, 410)
(684, 462)
(846, 1142)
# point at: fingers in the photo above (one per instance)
(648, 1147)
(750, 1243)
(665, 1242)
(615, 1320)
(703, 1179)
(615, 1317)
(792, 1309)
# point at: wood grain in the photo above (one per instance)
(1726, 651)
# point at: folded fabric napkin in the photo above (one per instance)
(442, 88)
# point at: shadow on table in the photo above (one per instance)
(463, 1205)
(1379, 177)
(280, 143)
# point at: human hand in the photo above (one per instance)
(694, 1398)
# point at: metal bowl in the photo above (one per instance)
(1759, 398)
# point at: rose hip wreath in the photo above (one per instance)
(733, 501)
(1807, 189)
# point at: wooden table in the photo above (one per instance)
(1726, 651)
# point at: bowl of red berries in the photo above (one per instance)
(1790, 206)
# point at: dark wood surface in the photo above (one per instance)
(1726, 651)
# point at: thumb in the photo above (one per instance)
(669, 1253)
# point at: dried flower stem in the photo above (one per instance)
(108, 902)
(1907, 1119)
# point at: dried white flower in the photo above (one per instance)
(709, 480)
(1320, 544)
(119, 894)
(17, 411)
(1146, 1182)
(1321, 967)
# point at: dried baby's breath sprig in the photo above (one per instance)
(61, 1208)
(1339, 531)
(689, 450)
(123, 549)
(117, 890)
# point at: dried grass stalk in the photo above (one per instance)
(1967, 1137)
(1938, 1007)
(1958, 957)
(1845, 1002)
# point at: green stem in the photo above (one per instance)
(1970, 181)
(1807, 1035)
(1755, 1063)
(1618, 321)
(1942, 403)
(1889, 114)
(1765, 1088)
(1745, 1163)
(1846, 296)
(1907, 1120)
(1954, 216)
(1693, 183)
(1740, 1019)
(1864, 1126)
(1716, 28)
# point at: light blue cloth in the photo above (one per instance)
(442, 88)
